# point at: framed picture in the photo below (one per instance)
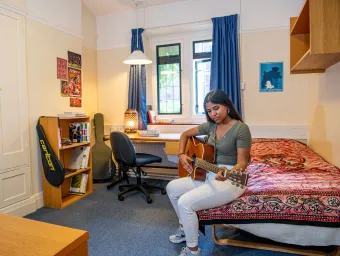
(271, 77)
(75, 102)
(61, 69)
(74, 82)
(74, 60)
(64, 88)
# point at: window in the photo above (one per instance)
(169, 79)
(202, 64)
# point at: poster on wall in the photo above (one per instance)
(61, 69)
(64, 88)
(74, 60)
(74, 82)
(271, 77)
(75, 102)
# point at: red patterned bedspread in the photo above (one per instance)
(288, 183)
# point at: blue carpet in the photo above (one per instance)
(131, 227)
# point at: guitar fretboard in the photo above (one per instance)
(208, 166)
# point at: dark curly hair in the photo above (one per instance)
(220, 97)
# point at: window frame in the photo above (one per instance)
(162, 61)
(187, 73)
(196, 86)
(202, 57)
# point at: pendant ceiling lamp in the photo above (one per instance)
(137, 57)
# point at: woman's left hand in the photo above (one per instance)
(220, 175)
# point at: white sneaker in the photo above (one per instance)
(178, 237)
(186, 252)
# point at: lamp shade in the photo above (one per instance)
(131, 120)
(137, 57)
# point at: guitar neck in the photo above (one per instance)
(208, 166)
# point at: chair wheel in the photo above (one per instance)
(121, 189)
(120, 198)
(163, 192)
(149, 200)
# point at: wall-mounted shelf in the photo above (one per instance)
(315, 37)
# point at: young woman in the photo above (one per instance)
(232, 141)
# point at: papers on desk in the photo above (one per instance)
(148, 133)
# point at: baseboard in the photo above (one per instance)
(26, 206)
(39, 199)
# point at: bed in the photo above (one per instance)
(293, 196)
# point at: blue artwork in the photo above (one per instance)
(271, 77)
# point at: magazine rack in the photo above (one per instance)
(56, 128)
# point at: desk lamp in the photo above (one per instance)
(131, 120)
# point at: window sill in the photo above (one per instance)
(177, 123)
(173, 128)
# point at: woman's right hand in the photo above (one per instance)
(186, 162)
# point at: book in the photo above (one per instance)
(79, 158)
(75, 186)
(84, 182)
(79, 132)
(78, 184)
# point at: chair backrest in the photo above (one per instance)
(122, 149)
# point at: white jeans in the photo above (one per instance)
(188, 196)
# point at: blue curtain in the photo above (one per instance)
(225, 70)
(137, 82)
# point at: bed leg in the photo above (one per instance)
(263, 246)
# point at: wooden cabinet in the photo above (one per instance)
(315, 37)
(56, 128)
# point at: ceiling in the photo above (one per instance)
(102, 7)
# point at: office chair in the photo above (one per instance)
(127, 158)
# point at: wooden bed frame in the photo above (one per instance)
(265, 246)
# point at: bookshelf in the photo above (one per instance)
(315, 37)
(56, 128)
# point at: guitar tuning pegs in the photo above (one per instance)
(233, 183)
(242, 187)
(237, 185)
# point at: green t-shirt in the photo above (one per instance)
(238, 136)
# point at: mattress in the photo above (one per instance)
(289, 185)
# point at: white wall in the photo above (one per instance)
(183, 18)
(268, 14)
(323, 108)
(89, 28)
(114, 30)
(52, 29)
(21, 4)
(65, 14)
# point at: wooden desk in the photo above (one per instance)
(171, 140)
(25, 237)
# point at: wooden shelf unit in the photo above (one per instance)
(315, 37)
(59, 197)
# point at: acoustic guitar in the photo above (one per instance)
(203, 156)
